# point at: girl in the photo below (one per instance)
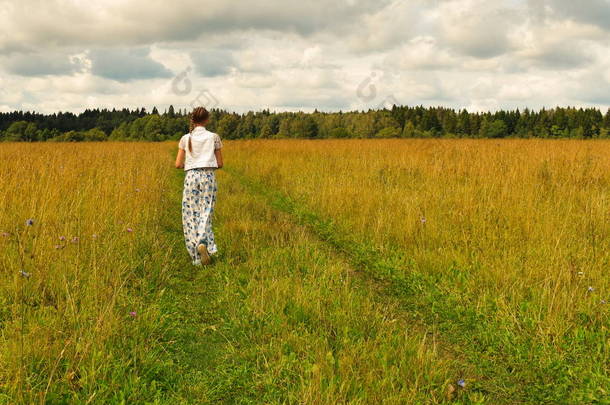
(203, 156)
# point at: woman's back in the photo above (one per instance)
(203, 143)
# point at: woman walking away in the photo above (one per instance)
(203, 156)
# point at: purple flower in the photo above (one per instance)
(133, 314)
(29, 222)
(62, 238)
(75, 239)
(461, 383)
(24, 274)
(590, 289)
(129, 230)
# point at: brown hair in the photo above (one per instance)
(199, 116)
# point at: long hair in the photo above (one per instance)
(198, 117)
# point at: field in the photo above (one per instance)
(350, 271)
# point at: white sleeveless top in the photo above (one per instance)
(204, 144)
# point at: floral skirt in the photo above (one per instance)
(198, 200)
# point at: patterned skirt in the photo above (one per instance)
(198, 200)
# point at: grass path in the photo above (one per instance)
(507, 366)
(282, 317)
(296, 311)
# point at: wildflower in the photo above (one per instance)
(461, 383)
(62, 238)
(423, 220)
(129, 230)
(58, 246)
(602, 302)
(5, 234)
(590, 289)
(75, 239)
(24, 274)
(29, 222)
(133, 314)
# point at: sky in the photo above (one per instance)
(287, 55)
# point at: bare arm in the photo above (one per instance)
(218, 154)
(180, 159)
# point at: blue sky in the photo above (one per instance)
(70, 55)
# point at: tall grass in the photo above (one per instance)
(73, 320)
(282, 318)
(517, 230)
(514, 235)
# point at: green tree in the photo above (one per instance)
(94, 134)
(409, 130)
(285, 127)
(270, 127)
(120, 133)
(389, 132)
(303, 126)
(153, 128)
(22, 131)
(339, 132)
(496, 129)
(227, 126)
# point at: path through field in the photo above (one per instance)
(431, 275)
(293, 311)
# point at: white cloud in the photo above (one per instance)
(74, 54)
(477, 28)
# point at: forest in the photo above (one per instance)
(397, 122)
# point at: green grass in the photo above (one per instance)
(513, 367)
(297, 309)
(281, 317)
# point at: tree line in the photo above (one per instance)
(397, 122)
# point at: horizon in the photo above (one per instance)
(313, 110)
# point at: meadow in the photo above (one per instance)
(350, 271)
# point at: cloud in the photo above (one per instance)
(72, 54)
(141, 22)
(592, 88)
(388, 27)
(125, 65)
(557, 56)
(596, 12)
(213, 62)
(476, 28)
(557, 45)
(423, 53)
(40, 64)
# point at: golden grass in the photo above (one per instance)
(104, 199)
(517, 230)
(310, 330)
(523, 223)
